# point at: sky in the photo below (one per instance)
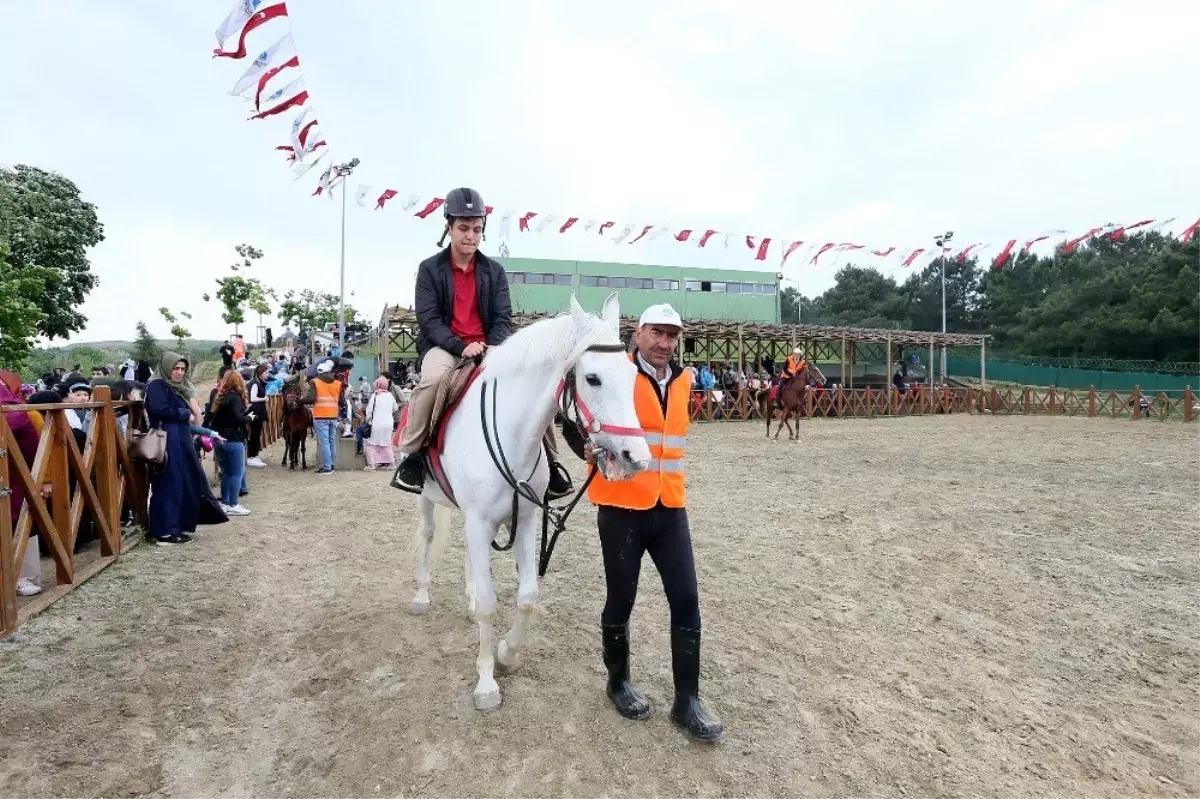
(880, 123)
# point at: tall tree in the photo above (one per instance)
(861, 297)
(47, 226)
(237, 291)
(923, 294)
(177, 329)
(20, 290)
(145, 347)
(311, 310)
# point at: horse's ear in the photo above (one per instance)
(612, 312)
(577, 313)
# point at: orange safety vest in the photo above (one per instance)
(794, 365)
(326, 406)
(667, 436)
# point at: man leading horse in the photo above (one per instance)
(463, 308)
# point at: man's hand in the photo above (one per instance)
(473, 349)
(589, 452)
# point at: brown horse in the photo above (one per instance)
(792, 399)
(297, 421)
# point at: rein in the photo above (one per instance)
(565, 396)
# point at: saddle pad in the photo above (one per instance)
(449, 393)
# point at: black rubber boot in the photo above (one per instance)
(560, 480)
(628, 701)
(410, 474)
(685, 667)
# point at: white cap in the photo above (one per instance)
(798, 351)
(662, 314)
(324, 367)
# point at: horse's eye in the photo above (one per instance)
(592, 380)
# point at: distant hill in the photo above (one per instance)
(89, 354)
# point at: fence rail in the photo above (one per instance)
(747, 405)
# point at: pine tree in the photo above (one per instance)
(146, 348)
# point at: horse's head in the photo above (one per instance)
(603, 381)
(813, 373)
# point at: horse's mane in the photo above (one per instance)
(551, 342)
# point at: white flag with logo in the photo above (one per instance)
(237, 19)
(360, 196)
(261, 62)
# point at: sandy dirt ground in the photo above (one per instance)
(952, 606)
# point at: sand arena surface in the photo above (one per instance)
(902, 607)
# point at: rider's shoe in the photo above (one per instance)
(560, 481)
(410, 474)
(685, 667)
(628, 701)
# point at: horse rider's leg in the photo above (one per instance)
(509, 648)
(479, 534)
(424, 538)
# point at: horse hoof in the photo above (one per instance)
(420, 606)
(504, 659)
(489, 700)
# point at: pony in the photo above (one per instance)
(573, 359)
(791, 401)
(296, 422)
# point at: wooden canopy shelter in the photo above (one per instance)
(743, 343)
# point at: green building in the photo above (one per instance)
(545, 286)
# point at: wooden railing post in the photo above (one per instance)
(1137, 403)
(106, 469)
(1189, 402)
(1091, 401)
(1025, 401)
(8, 568)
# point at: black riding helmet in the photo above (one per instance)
(462, 203)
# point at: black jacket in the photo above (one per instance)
(229, 419)
(435, 303)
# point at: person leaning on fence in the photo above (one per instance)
(258, 406)
(647, 513)
(325, 395)
(180, 498)
(26, 428)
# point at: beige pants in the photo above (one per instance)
(437, 364)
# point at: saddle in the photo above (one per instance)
(449, 394)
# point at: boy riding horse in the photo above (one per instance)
(792, 369)
(463, 308)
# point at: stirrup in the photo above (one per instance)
(558, 469)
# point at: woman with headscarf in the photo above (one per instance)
(381, 416)
(26, 427)
(180, 497)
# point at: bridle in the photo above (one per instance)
(566, 396)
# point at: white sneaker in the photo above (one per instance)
(239, 510)
(257, 463)
(26, 587)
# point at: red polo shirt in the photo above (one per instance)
(465, 321)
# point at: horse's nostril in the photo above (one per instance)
(627, 455)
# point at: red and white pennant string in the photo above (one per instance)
(279, 65)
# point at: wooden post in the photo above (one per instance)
(1137, 403)
(1025, 401)
(106, 469)
(1091, 401)
(1189, 401)
(8, 569)
(384, 336)
(853, 358)
(60, 492)
(983, 364)
(929, 371)
(891, 387)
(842, 382)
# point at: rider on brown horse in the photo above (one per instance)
(795, 365)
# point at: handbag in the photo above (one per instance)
(149, 446)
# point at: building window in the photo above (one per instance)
(643, 282)
(693, 285)
(516, 277)
(589, 280)
(617, 282)
(665, 285)
(533, 277)
(564, 280)
(717, 288)
(674, 285)
(767, 288)
(747, 288)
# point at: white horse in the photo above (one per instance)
(518, 391)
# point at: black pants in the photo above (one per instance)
(663, 532)
(254, 445)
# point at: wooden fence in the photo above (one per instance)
(58, 485)
(747, 405)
